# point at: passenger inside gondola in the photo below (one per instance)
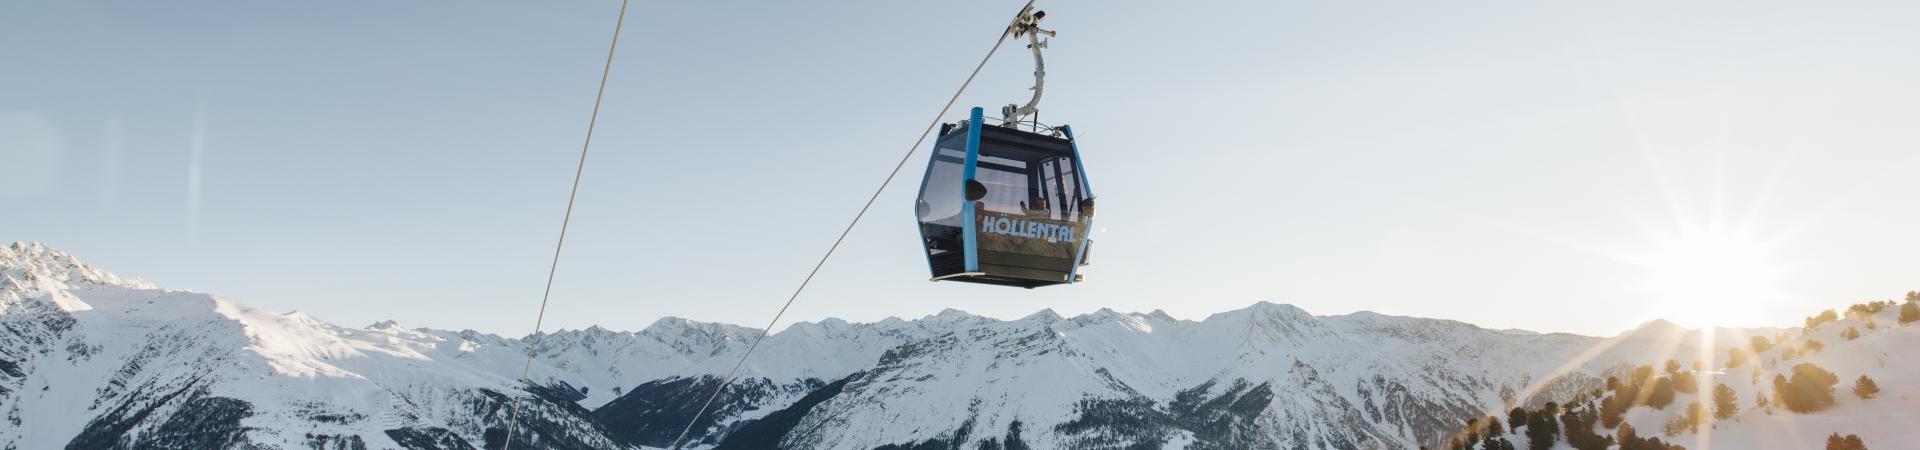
(1036, 206)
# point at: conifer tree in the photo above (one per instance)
(1579, 431)
(1497, 443)
(1542, 430)
(1697, 415)
(1626, 434)
(1850, 442)
(1865, 388)
(1516, 418)
(1640, 375)
(1612, 411)
(1684, 382)
(1726, 403)
(1810, 389)
(1824, 317)
(1662, 394)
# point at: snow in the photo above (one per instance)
(1889, 420)
(921, 377)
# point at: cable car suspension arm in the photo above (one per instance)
(1028, 25)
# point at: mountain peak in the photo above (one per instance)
(1276, 310)
(45, 268)
(951, 313)
(1043, 316)
(302, 316)
(388, 324)
(1658, 327)
(1101, 315)
(671, 322)
(678, 329)
(680, 323)
(1659, 324)
(596, 329)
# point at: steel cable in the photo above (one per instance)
(533, 346)
(843, 234)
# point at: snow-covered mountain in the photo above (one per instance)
(91, 360)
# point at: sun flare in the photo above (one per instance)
(1709, 276)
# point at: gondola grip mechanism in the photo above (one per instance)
(1028, 25)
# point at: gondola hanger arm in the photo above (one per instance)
(1028, 25)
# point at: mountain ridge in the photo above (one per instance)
(143, 367)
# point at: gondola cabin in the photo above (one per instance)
(1005, 206)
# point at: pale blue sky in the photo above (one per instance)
(1479, 161)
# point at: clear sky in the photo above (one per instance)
(1555, 166)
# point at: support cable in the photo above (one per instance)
(843, 233)
(533, 346)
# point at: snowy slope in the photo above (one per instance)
(92, 360)
(1269, 376)
(102, 362)
(1882, 352)
(1889, 420)
(1759, 420)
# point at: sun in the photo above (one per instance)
(1711, 276)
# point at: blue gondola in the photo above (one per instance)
(1005, 206)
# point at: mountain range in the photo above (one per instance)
(92, 360)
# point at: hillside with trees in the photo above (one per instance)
(1845, 380)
